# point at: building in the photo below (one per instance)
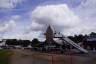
(49, 34)
(90, 43)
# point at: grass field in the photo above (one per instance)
(5, 56)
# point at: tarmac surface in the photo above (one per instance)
(31, 57)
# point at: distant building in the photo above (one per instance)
(90, 43)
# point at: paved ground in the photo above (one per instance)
(29, 57)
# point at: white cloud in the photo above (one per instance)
(36, 26)
(9, 3)
(32, 34)
(7, 26)
(56, 14)
(61, 17)
(23, 36)
(87, 12)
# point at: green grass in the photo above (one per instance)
(5, 56)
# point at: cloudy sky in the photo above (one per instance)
(28, 19)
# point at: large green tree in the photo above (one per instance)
(11, 42)
(35, 42)
(77, 38)
(93, 34)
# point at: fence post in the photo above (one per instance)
(71, 59)
(52, 60)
